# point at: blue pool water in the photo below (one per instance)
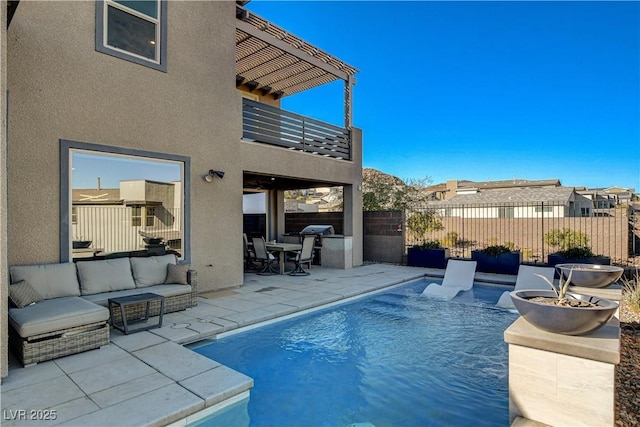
(391, 359)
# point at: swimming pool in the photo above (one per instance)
(390, 359)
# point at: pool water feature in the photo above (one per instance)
(390, 359)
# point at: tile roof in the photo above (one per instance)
(515, 196)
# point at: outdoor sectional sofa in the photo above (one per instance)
(61, 309)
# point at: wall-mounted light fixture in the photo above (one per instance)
(209, 177)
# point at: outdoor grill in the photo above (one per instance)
(319, 231)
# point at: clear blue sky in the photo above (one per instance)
(482, 90)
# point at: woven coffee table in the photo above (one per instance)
(134, 305)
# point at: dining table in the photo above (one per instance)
(283, 248)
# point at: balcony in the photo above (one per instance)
(269, 125)
(272, 63)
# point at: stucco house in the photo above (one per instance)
(553, 202)
(196, 86)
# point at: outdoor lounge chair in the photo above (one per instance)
(527, 279)
(303, 256)
(263, 256)
(458, 277)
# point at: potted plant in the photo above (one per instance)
(500, 259)
(428, 254)
(577, 255)
(562, 312)
(572, 247)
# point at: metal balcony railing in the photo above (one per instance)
(269, 125)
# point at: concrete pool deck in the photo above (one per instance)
(150, 379)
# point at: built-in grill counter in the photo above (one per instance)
(330, 249)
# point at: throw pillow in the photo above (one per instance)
(177, 274)
(22, 294)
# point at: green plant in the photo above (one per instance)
(451, 239)
(563, 285)
(429, 244)
(561, 292)
(496, 250)
(420, 223)
(527, 253)
(631, 292)
(493, 241)
(577, 252)
(566, 239)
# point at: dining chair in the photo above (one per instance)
(263, 256)
(249, 255)
(303, 256)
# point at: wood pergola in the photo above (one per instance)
(272, 61)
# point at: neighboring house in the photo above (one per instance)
(196, 85)
(448, 190)
(115, 220)
(605, 199)
(519, 203)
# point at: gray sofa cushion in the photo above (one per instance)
(164, 290)
(105, 275)
(54, 315)
(49, 280)
(149, 271)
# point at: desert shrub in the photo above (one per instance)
(429, 244)
(420, 223)
(578, 252)
(566, 239)
(631, 292)
(496, 250)
(451, 239)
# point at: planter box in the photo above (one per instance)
(508, 263)
(432, 258)
(553, 259)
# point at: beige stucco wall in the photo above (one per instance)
(4, 282)
(308, 166)
(61, 88)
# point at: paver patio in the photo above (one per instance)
(149, 379)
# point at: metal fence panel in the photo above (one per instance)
(610, 232)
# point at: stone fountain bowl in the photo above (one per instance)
(591, 275)
(560, 319)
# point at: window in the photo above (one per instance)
(136, 216)
(506, 212)
(133, 30)
(125, 174)
(74, 215)
(151, 215)
(546, 209)
(585, 212)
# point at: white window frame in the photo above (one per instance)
(102, 25)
